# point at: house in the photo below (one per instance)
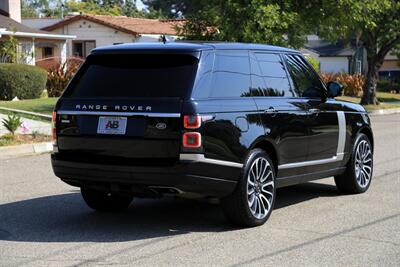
(33, 45)
(101, 30)
(333, 57)
(337, 57)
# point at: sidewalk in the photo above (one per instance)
(38, 126)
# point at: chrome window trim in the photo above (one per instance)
(127, 114)
(202, 158)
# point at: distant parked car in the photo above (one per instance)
(233, 121)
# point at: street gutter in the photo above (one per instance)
(26, 149)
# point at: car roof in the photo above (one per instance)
(188, 46)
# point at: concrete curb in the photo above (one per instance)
(384, 111)
(26, 149)
(23, 112)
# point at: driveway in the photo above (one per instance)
(44, 222)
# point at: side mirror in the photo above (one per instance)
(334, 89)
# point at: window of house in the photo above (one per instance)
(82, 48)
(47, 52)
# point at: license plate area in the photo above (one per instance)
(112, 125)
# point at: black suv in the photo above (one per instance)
(225, 120)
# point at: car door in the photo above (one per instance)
(283, 115)
(324, 116)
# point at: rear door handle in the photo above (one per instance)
(313, 110)
(270, 110)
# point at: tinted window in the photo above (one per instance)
(306, 82)
(231, 74)
(134, 76)
(204, 75)
(268, 76)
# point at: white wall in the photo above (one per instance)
(87, 30)
(334, 64)
(12, 7)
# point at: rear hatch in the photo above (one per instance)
(125, 109)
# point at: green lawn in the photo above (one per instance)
(41, 105)
(387, 101)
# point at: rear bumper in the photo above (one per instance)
(190, 174)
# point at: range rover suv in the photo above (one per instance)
(225, 120)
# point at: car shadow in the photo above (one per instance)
(65, 218)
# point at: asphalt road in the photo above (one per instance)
(45, 222)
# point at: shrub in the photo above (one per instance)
(59, 76)
(22, 81)
(12, 122)
(352, 84)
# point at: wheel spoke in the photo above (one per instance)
(367, 154)
(264, 178)
(267, 201)
(367, 160)
(267, 192)
(263, 210)
(365, 168)
(271, 183)
(366, 175)
(251, 201)
(256, 169)
(263, 172)
(252, 174)
(250, 191)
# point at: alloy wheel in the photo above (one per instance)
(260, 188)
(363, 164)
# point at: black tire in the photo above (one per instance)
(105, 201)
(236, 205)
(347, 182)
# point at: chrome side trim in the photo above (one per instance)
(201, 158)
(307, 163)
(342, 135)
(127, 114)
(339, 152)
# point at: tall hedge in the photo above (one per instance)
(22, 81)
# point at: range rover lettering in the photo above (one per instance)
(223, 120)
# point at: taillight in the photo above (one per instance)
(53, 127)
(192, 122)
(191, 140)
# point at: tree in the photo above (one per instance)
(130, 10)
(375, 23)
(171, 8)
(273, 22)
(27, 11)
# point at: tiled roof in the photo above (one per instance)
(130, 25)
(12, 25)
(328, 49)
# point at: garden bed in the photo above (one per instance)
(19, 139)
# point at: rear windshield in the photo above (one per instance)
(134, 76)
